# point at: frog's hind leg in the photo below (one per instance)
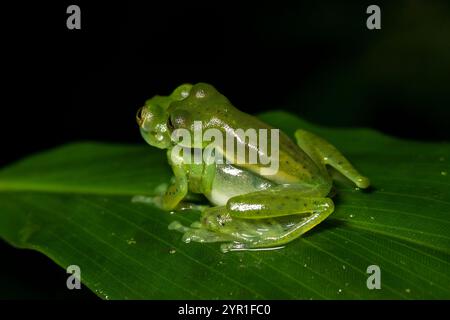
(248, 221)
(270, 218)
(278, 202)
(274, 234)
(323, 153)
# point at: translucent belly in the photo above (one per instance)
(230, 181)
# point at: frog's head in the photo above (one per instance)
(203, 106)
(154, 120)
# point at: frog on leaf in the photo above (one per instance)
(250, 209)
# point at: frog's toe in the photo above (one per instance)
(153, 201)
(177, 226)
(362, 182)
(196, 233)
(239, 246)
(196, 224)
(233, 246)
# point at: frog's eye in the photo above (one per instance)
(170, 124)
(140, 116)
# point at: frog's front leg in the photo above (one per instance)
(173, 195)
(177, 190)
(187, 183)
(323, 153)
(177, 196)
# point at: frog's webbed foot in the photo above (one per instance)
(198, 233)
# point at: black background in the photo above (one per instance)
(316, 59)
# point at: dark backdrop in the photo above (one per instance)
(316, 59)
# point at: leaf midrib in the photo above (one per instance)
(21, 186)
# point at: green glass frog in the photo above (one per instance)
(251, 209)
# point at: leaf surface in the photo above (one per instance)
(74, 204)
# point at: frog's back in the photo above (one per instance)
(294, 165)
(216, 111)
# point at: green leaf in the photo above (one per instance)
(74, 205)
